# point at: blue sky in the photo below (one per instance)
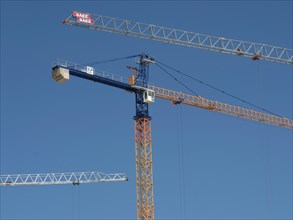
(206, 165)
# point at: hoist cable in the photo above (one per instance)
(181, 160)
(217, 89)
(176, 79)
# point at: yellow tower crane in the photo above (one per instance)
(142, 122)
(146, 93)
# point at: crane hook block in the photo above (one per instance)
(60, 74)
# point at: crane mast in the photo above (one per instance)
(143, 145)
(255, 51)
(74, 178)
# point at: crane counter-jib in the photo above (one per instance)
(61, 73)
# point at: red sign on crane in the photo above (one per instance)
(85, 20)
(82, 17)
(77, 14)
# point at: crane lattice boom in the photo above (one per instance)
(60, 178)
(200, 102)
(252, 50)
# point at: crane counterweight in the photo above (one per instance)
(60, 75)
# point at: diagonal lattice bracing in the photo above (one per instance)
(60, 178)
(144, 173)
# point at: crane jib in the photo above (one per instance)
(254, 51)
(74, 178)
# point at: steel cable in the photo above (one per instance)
(217, 89)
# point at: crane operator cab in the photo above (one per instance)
(149, 96)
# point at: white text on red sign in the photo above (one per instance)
(85, 20)
(77, 14)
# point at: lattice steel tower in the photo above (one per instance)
(143, 145)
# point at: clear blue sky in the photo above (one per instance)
(228, 168)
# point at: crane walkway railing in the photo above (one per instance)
(93, 71)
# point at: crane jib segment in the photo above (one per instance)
(255, 51)
(175, 96)
(74, 178)
(200, 102)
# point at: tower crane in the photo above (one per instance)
(144, 95)
(255, 51)
(74, 178)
